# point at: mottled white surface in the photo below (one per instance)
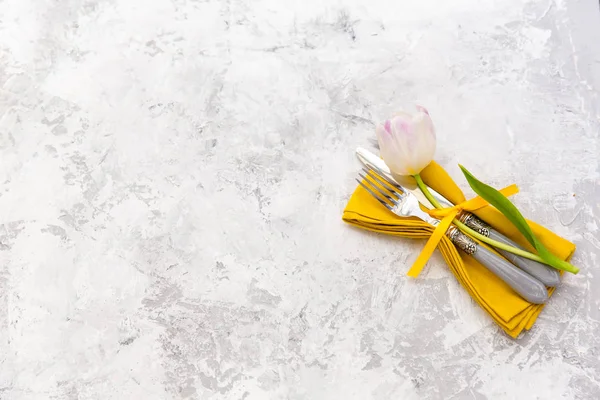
(173, 173)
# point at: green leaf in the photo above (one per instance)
(504, 205)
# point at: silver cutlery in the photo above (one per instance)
(547, 275)
(405, 204)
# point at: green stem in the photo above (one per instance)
(475, 234)
(426, 191)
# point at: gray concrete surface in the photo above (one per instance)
(173, 173)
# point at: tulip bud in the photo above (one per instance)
(407, 142)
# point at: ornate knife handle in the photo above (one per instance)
(475, 223)
(547, 275)
(524, 284)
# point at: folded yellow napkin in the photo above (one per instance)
(506, 307)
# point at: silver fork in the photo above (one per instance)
(405, 204)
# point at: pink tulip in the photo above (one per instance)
(407, 142)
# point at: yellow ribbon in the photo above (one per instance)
(447, 215)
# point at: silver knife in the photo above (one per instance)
(547, 275)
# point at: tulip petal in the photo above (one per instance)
(383, 138)
(402, 132)
(422, 109)
(388, 126)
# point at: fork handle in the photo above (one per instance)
(524, 284)
(545, 274)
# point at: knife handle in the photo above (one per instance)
(545, 274)
(524, 284)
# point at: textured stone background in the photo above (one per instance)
(173, 173)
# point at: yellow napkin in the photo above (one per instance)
(506, 307)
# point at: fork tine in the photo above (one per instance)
(383, 179)
(391, 199)
(384, 194)
(385, 183)
(374, 195)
